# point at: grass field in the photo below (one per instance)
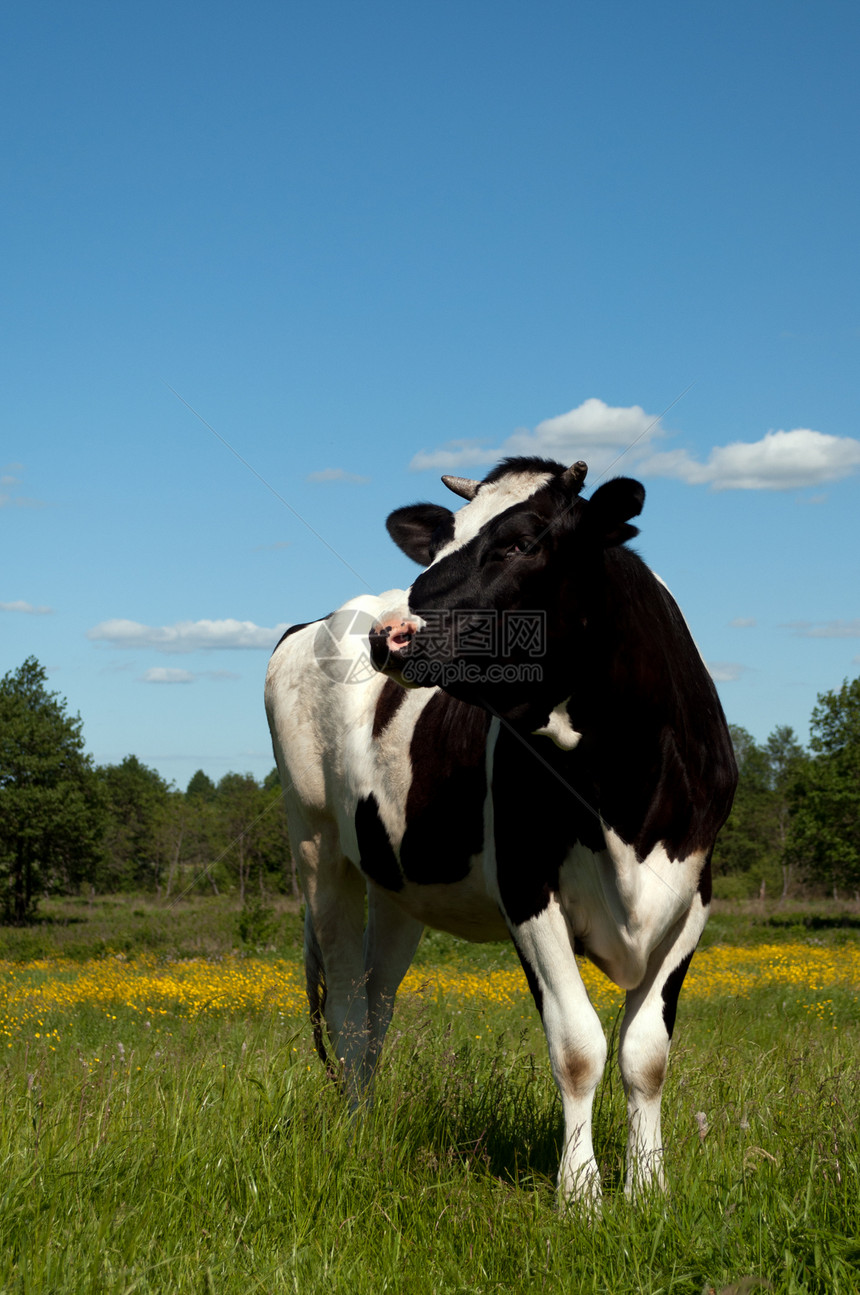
(165, 1125)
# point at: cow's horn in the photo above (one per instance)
(575, 475)
(462, 486)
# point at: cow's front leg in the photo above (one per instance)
(643, 1052)
(574, 1035)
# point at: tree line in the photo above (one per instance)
(66, 823)
(795, 822)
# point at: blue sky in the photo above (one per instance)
(370, 244)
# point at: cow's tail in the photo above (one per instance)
(316, 990)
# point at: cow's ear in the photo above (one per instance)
(610, 508)
(419, 529)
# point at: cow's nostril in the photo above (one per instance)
(379, 651)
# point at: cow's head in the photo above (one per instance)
(512, 582)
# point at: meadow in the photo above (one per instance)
(166, 1125)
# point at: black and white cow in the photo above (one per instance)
(564, 791)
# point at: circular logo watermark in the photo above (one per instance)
(342, 647)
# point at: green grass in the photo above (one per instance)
(754, 921)
(208, 926)
(212, 1154)
(79, 927)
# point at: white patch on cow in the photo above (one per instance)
(559, 728)
(320, 727)
(512, 488)
(621, 907)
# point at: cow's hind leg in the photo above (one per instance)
(390, 942)
(334, 955)
(575, 1038)
(643, 1052)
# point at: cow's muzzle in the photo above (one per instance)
(389, 637)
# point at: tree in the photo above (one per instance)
(240, 816)
(137, 800)
(744, 848)
(201, 788)
(253, 832)
(175, 824)
(824, 836)
(787, 762)
(272, 785)
(198, 821)
(51, 814)
(752, 847)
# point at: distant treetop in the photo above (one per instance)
(201, 787)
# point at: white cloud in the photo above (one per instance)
(19, 501)
(779, 461)
(9, 498)
(187, 636)
(337, 474)
(601, 434)
(725, 671)
(743, 622)
(825, 629)
(594, 431)
(20, 606)
(169, 674)
(456, 454)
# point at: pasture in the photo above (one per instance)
(166, 1126)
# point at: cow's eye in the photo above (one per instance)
(519, 546)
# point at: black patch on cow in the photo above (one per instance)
(388, 703)
(378, 860)
(656, 749)
(671, 990)
(421, 530)
(445, 804)
(705, 886)
(294, 629)
(537, 817)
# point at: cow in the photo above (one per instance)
(562, 788)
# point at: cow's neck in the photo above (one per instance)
(644, 703)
